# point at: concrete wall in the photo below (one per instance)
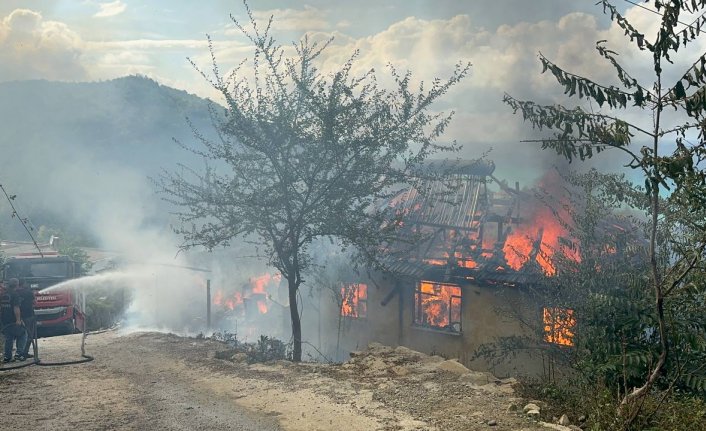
(487, 313)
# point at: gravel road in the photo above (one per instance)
(159, 381)
(134, 383)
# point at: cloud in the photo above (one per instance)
(34, 48)
(504, 60)
(110, 9)
(307, 19)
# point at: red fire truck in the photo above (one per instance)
(57, 311)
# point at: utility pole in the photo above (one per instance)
(208, 304)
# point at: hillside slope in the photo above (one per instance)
(64, 144)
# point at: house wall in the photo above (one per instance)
(487, 313)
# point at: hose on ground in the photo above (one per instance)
(84, 357)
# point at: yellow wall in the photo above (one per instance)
(487, 313)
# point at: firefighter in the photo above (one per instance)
(11, 319)
(27, 315)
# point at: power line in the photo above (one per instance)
(16, 214)
(657, 13)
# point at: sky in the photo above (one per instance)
(88, 40)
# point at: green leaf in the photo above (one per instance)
(600, 97)
(679, 91)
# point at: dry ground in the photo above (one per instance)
(157, 381)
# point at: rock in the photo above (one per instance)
(512, 407)
(554, 426)
(574, 428)
(239, 357)
(492, 422)
(453, 366)
(475, 377)
(405, 351)
(399, 371)
(530, 406)
(378, 348)
(355, 354)
(533, 414)
(508, 381)
(564, 420)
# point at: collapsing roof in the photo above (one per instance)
(460, 228)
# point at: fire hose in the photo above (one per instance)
(35, 347)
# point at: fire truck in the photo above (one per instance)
(58, 311)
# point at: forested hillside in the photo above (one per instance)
(63, 143)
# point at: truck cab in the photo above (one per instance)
(57, 311)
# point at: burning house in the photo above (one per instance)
(479, 250)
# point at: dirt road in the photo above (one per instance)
(164, 382)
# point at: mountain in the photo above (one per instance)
(73, 150)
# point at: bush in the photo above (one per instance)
(105, 307)
(266, 349)
(678, 411)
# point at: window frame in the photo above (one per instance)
(418, 312)
(356, 305)
(558, 323)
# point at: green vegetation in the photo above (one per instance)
(640, 344)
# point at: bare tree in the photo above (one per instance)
(304, 154)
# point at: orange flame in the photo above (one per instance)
(559, 326)
(437, 304)
(260, 285)
(354, 300)
(544, 226)
(218, 297)
(257, 286)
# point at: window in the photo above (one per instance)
(354, 300)
(29, 268)
(559, 326)
(438, 306)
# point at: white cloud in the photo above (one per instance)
(149, 44)
(343, 24)
(110, 9)
(307, 19)
(34, 48)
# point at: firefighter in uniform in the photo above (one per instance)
(11, 319)
(27, 315)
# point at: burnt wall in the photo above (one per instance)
(487, 313)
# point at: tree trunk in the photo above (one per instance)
(296, 321)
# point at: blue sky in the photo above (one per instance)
(88, 40)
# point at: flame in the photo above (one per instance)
(256, 287)
(462, 261)
(260, 285)
(559, 326)
(545, 227)
(218, 297)
(354, 300)
(437, 304)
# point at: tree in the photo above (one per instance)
(304, 154)
(70, 244)
(672, 164)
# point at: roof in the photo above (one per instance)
(19, 248)
(463, 224)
